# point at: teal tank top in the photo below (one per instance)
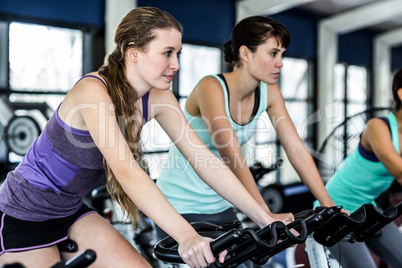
(359, 180)
(178, 181)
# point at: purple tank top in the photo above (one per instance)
(60, 168)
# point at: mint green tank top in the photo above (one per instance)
(360, 181)
(178, 181)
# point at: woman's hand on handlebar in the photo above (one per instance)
(286, 218)
(347, 212)
(196, 251)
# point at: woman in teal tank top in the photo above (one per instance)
(366, 173)
(223, 110)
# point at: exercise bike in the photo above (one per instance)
(321, 227)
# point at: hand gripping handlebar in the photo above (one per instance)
(248, 244)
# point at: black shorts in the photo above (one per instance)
(19, 235)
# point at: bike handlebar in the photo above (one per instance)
(84, 259)
(360, 225)
(245, 244)
(329, 226)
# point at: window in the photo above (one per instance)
(43, 63)
(351, 89)
(296, 86)
(44, 58)
(196, 62)
(340, 89)
(357, 89)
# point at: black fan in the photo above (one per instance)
(343, 140)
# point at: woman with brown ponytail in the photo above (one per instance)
(97, 127)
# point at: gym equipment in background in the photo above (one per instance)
(18, 128)
(293, 197)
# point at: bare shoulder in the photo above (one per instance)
(208, 82)
(88, 89)
(91, 88)
(208, 88)
(376, 132)
(376, 124)
(88, 93)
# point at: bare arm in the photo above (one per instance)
(297, 153)
(377, 138)
(214, 172)
(194, 249)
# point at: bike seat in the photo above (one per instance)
(100, 193)
(67, 245)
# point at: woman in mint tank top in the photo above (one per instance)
(366, 173)
(223, 109)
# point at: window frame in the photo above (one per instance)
(309, 140)
(93, 47)
(345, 101)
(93, 53)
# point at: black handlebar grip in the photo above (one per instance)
(302, 229)
(225, 241)
(82, 260)
(166, 249)
(399, 208)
